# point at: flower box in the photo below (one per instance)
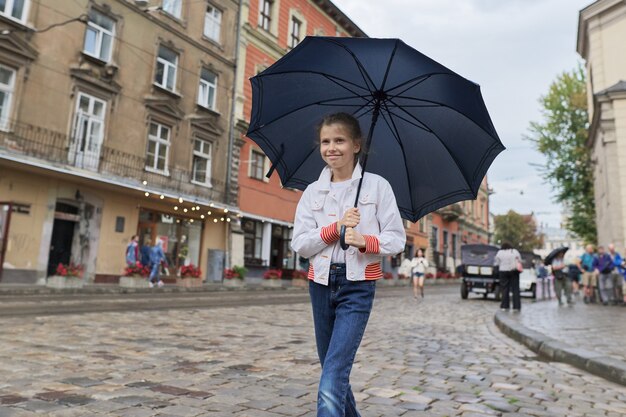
(134, 281)
(234, 283)
(272, 283)
(189, 282)
(58, 281)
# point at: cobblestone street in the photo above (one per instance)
(436, 357)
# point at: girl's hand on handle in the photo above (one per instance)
(351, 218)
(354, 238)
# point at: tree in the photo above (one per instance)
(561, 137)
(518, 230)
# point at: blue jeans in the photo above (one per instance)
(154, 272)
(340, 314)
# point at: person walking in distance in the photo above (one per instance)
(342, 283)
(157, 257)
(419, 264)
(589, 280)
(562, 283)
(604, 267)
(132, 251)
(509, 260)
(617, 276)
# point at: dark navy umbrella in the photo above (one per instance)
(429, 133)
(554, 254)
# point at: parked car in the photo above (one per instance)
(528, 277)
(478, 273)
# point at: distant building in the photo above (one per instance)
(601, 43)
(554, 237)
(113, 124)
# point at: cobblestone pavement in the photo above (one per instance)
(436, 357)
(589, 326)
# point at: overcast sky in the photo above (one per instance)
(514, 49)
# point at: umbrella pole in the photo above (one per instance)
(376, 112)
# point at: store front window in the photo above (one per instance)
(282, 256)
(253, 242)
(181, 237)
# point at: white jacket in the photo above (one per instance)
(419, 264)
(315, 226)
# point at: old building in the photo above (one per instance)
(461, 223)
(601, 34)
(114, 121)
(269, 29)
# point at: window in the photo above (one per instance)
(173, 7)
(166, 68)
(88, 131)
(15, 9)
(257, 163)
(201, 162)
(212, 23)
(208, 89)
(7, 85)
(422, 224)
(445, 242)
(253, 241)
(294, 38)
(434, 239)
(454, 253)
(265, 14)
(158, 148)
(99, 36)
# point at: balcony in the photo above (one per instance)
(34, 145)
(451, 213)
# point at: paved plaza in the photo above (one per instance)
(435, 357)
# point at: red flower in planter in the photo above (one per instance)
(387, 275)
(70, 270)
(273, 274)
(138, 269)
(190, 271)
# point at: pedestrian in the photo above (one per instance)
(145, 251)
(562, 283)
(617, 276)
(604, 267)
(418, 272)
(343, 283)
(509, 262)
(157, 259)
(544, 280)
(574, 272)
(132, 252)
(586, 264)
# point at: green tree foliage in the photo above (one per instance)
(520, 231)
(561, 138)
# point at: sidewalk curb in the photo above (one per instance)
(29, 290)
(554, 350)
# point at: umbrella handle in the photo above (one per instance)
(342, 238)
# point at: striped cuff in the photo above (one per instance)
(329, 233)
(371, 245)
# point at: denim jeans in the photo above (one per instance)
(340, 314)
(154, 272)
(509, 282)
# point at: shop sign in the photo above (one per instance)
(166, 218)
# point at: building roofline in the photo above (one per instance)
(341, 18)
(584, 15)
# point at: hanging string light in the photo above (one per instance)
(147, 194)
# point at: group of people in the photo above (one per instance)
(152, 257)
(599, 274)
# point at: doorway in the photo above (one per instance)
(65, 219)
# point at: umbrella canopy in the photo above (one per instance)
(429, 134)
(554, 254)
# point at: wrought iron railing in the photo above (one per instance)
(31, 144)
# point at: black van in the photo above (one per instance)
(477, 270)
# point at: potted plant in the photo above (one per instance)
(273, 278)
(135, 276)
(67, 276)
(233, 277)
(190, 276)
(299, 278)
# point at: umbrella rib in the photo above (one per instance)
(369, 103)
(393, 54)
(443, 144)
(437, 104)
(396, 134)
(419, 80)
(424, 127)
(323, 74)
(425, 77)
(322, 102)
(359, 65)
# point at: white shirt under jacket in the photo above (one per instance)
(315, 226)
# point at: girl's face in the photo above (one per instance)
(420, 253)
(337, 148)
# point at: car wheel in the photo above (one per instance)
(464, 291)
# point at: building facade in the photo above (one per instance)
(466, 222)
(114, 121)
(269, 29)
(601, 34)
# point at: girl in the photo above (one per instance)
(418, 269)
(508, 260)
(342, 283)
